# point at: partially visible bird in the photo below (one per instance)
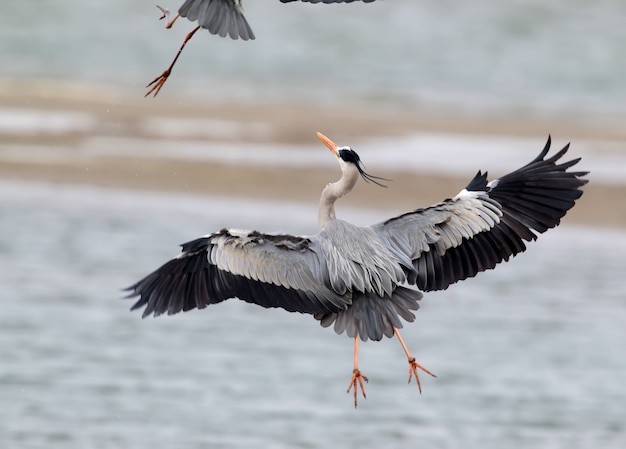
(221, 17)
(355, 278)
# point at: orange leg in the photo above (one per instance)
(357, 376)
(169, 24)
(160, 80)
(413, 365)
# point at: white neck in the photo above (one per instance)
(335, 190)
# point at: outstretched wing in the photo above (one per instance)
(269, 270)
(220, 17)
(486, 223)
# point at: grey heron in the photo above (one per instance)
(358, 278)
(221, 17)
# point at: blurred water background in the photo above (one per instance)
(529, 355)
(514, 57)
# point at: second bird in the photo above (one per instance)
(221, 17)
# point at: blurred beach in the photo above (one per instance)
(271, 151)
(437, 89)
(98, 186)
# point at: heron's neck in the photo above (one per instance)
(332, 192)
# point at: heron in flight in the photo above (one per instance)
(221, 17)
(358, 278)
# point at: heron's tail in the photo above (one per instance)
(371, 317)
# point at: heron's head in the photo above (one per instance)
(346, 157)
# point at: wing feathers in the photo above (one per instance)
(268, 270)
(486, 223)
(221, 17)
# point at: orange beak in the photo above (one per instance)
(332, 146)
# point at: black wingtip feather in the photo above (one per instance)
(539, 194)
(478, 183)
(533, 199)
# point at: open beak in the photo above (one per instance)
(332, 146)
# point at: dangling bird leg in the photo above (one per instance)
(413, 365)
(357, 376)
(162, 78)
(169, 24)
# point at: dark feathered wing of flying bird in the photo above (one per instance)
(221, 17)
(356, 278)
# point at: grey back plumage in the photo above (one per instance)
(357, 260)
(359, 263)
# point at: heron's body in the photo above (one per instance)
(357, 278)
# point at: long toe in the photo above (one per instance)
(356, 382)
(157, 84)
(413, 371)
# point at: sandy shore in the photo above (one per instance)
(114, 114)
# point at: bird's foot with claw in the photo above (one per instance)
(157, 83)
(356, 382)
(413, 367)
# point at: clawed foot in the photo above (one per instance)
(158, 83)
(413, 367)
(356, 381)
